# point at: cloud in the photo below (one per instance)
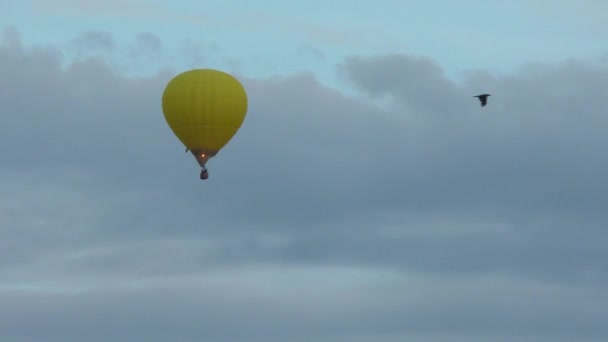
(94, 40)
(324, 219)
(147, 47)
(144, 53)
(148, 41)
(238, 305)
(416, 82)
(134, 9)
(196, 53)
(200, 17)
(589, 15)
(311, 51)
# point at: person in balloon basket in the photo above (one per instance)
(204, 173)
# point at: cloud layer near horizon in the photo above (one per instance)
(327, 218)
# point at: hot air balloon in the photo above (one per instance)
(204, 108)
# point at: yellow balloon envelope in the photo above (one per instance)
(204, 108)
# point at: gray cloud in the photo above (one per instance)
(147, 48)
(142, 54)
(417, 83)
(311, 51)
(238, 306)
(196, 53)
(94, 41)
(324, 219)
(149, 41)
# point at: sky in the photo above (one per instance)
(367, 196)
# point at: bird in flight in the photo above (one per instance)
(483, 98)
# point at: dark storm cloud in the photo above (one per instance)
(325, 218)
